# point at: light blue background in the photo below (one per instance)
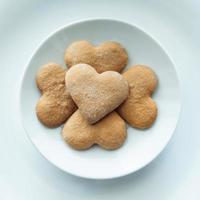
(24, 174)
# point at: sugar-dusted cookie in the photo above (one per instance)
(139, 109)
(109, 132)
(55, 105)
(109, 56)
(95, 94)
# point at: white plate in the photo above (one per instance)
(141, 146)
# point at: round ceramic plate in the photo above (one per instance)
(141, 146)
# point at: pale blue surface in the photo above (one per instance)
(24, 174)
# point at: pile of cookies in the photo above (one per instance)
(92, 98)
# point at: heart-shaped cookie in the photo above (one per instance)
(139, 109)
(109, 56)
(109, 133)
(55, 105)
(95, 94)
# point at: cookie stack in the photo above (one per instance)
(92, 98)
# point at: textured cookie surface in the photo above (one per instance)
(109, 132)
(95, 94)
(109, 56)
(139, 109)
(55, 105)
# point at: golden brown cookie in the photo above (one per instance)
(95, 94)
(55, 105)
(109, 132)
(139, 109)
(109, 56)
